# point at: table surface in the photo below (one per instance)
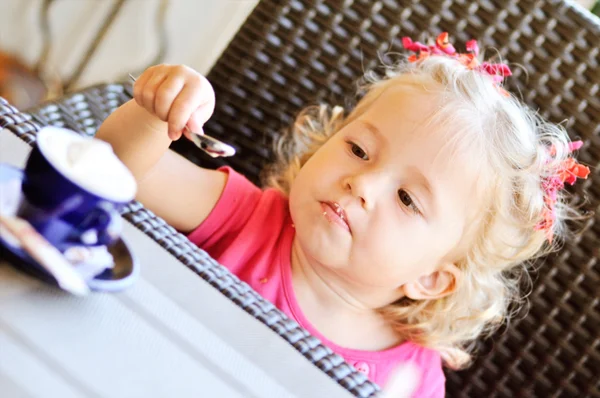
(171, 334)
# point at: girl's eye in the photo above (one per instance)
(358, 152)
(407, 201)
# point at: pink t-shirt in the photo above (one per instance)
(250, 232)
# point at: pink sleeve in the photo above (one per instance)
(433, 380)
(230, 214)
(435, 388)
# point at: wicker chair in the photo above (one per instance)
(291, 53)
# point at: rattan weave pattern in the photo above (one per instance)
(292, 53)
(83, 112)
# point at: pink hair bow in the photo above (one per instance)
(469, 59)
(568, 172)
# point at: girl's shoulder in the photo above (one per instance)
(426, 361)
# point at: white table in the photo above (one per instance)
(170, 335)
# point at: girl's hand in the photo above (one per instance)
(178, 95)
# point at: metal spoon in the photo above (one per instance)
(208, 144)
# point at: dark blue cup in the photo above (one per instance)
(62, 210)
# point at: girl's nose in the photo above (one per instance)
(365, 187)
(352, 187)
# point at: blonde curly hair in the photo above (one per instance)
(514, 142)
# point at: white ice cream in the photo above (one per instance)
(88, 162)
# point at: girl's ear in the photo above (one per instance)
(438, 284)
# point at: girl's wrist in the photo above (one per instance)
(137, 137)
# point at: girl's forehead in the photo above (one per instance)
(419, 113)
(403, 106)
(402, 119)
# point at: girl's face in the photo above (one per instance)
(386, 200)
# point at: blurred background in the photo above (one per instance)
(49, 47)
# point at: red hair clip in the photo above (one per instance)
(568, 172)
(469, 59)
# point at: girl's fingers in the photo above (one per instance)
(195, 126)
(149, 90)
(181, 110)
(200, 116)
(138, 86)
(206, 108)
(177, 95)
(174, 136)
(191, 131)
(165, 95)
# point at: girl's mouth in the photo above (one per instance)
(334, 213)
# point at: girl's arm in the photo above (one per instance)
(166, 98)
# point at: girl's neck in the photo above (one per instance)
(335, 308)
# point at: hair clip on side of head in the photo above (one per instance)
(568, 172)
(443, 47)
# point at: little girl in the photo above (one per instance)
(393, 234)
